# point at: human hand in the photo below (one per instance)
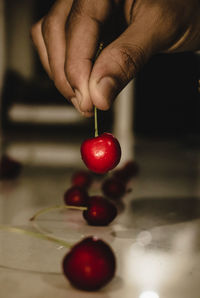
(67, 39)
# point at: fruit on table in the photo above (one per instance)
(129, 170)
(102, 153)
(9, 168)
(100, 211)
(76, 196)
(82, 178)
(113, 188)
(90, 264)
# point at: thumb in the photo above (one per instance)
(117, 64)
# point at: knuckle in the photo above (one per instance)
(71, 73)
(35, 31)
(129, 58)
(98, 12)
(47, 26)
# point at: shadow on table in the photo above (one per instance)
(148, 212)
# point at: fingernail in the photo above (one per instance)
(107, 88)
(75, 103)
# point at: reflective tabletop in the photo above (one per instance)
(155, 236)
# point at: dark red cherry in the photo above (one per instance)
(101, 154)
(100, 211)
(9, 167)
(113, 188)
(82, 178)
(76, 196)
(131, 169)
(90, 264)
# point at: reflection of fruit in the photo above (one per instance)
(113, 188)
(9, 168)
(90, 264)
(100, 211)
(76, 196)
(102, 153)
(82, 178)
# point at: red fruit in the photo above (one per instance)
(102, 153)
(100, 211)
(113, 188)
(9, 168)
(120, 175)
(82, 179)
(131, 169)
(76, 196)
(90, 264)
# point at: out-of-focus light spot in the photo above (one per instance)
(144, 238)
(149, 294)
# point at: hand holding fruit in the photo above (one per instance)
(67, 53)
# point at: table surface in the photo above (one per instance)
(155, 237)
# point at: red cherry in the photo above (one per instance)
(100, 211)
(76, 196)
(113, 188)
(9, 168)
(90, 264)
(131, 169)
(102, 153)
(82, 179)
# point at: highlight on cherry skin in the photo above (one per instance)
(101, 153)
(90, 264)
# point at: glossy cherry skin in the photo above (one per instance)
(100, 211)
(9, 168)
(82, 178)
(90, 264)
(113, 188)
(101, 154)
(76, 196)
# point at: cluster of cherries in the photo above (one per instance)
(91, 263)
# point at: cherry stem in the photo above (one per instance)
(96, 133)
(95, 109)
(48, 209)
(36, 235)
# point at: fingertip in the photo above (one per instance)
(84, 102)
(103, 92)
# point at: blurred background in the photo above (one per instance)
(35, 116)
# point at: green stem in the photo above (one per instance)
(95, 109)
(36, 235)
(96, 133)
(48, 209)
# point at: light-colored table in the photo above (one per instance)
(155, 238)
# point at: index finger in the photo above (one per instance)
(82, 38)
